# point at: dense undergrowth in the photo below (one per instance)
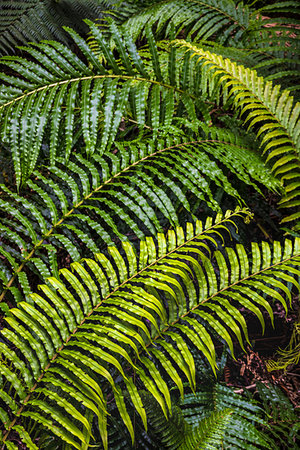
(150, 224)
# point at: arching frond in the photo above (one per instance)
(88, 98)
(246, 415)
(283, 417)
(290, 355)
(212, 417)
(115, 322)
(268, 44)
(259, 103)
(200, 19)
(209, 433)
(133, 192)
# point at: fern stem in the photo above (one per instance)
(95, 308)
(70, 212)
(95, 77)
(226, 288)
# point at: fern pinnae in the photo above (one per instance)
(86, 197)
(35, 20)
(263, 102)
(200, 18)
(114, 300)
(63, 84)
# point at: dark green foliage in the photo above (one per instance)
(129, 193)
(59, 80)
(149, 300)
(283, 418)
(237, 31)
(145, 91)
(215, 417)
(34, 20)
(115, 294)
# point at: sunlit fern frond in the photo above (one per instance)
(125, 320)
(269, 111)
(131, 193)
(275, 61)
(34, 20)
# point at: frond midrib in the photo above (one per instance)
(94, 77)
(212, 7)
(55, 356)
(87, 197)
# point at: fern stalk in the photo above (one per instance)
(85, 199)
(225, 220)
(210, 301)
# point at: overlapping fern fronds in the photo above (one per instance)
(282, 415)
(35, 20)
(246, 415)
(128, 316)
(196, 421)
(131, 321)
(89, 98)
(266, 109)
(75, 209)
(200, 19)
(268, 44)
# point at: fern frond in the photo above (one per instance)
(209, 433)
(76, 209)
(199, 415)
(34, 20)
(264, 108)
(246, 415)
(290, 355)
(89, 98)
(282, 416)
(136, 311)
(200, 19)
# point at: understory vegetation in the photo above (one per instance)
(150, 224)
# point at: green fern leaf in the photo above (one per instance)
(85, 352)
(258, 101)
(102, 201)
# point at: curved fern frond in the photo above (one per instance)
(88, 98)
(210, 432)
(200, 19)
(34, 20)
(246, 415)
(269, 45)
(264, 108)
(281, 413)
(110, 324)
(203, 411)
(72, 211)
(288, 356)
